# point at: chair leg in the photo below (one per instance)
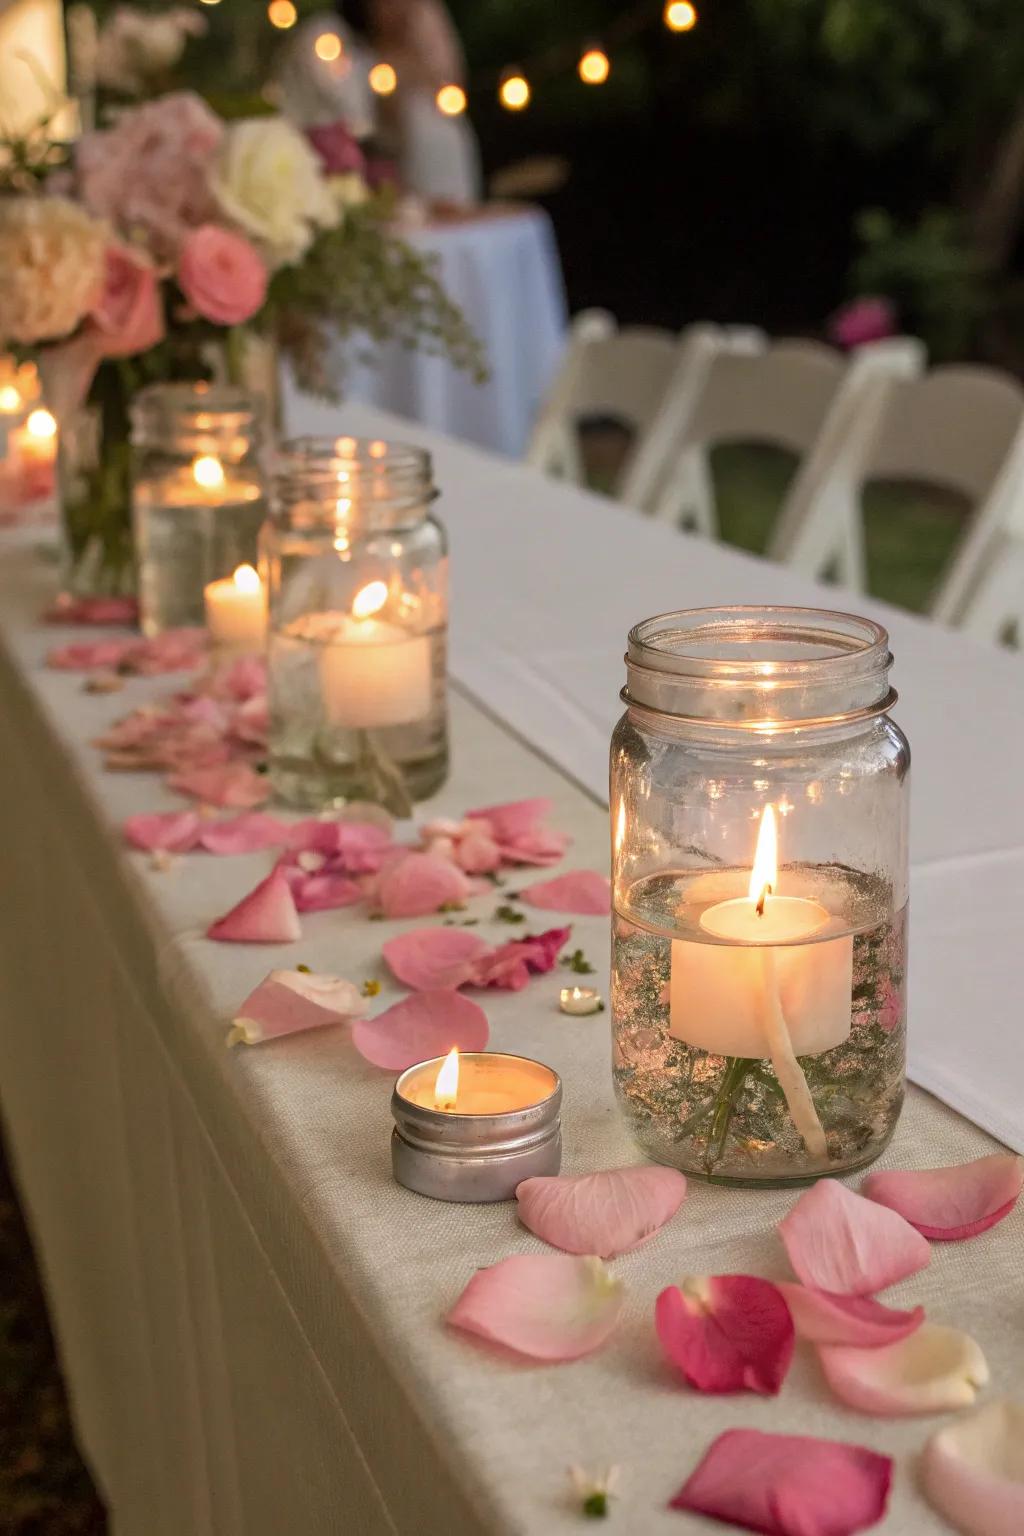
(687, 498)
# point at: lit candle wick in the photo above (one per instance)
(766, 891)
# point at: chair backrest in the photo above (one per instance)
(780, 395)
(953, 427)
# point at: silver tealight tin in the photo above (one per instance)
(483, 1155)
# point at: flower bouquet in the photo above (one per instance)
(156, 248)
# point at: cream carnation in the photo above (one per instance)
(52, 258)
(268, 180)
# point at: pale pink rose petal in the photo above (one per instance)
(266, 916)
(477, 854)
(288, 1001)
(541, 846)
(172, 831)
(419, 884)
(360, 846)
(420, 1027)
(176, 650)
(67, 609)
(226, 784)
(244, 677)
(933, 1370)
(949, 1203)
(246, 833)
(432, 959)
(512, 817)
(972, 1471)
(726, 1333)
(604, 1213)
(90, 655)
(838, 1241)
(585, 892)
(325, 892)
(788, 1485)
(547, 1306)
(822, 1318)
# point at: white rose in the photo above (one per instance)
(268, 179)
(348, 191)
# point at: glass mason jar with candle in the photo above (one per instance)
(356, 571)
(197, 498)
(759, 832)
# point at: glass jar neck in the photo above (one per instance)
(759, 669)
(192, 420)
(351, 485)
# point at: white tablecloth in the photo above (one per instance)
(248, 1308)
(502, 269)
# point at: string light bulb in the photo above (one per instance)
(680, 16)
(282, 14)
(451, 100)
(328, 47)
(594, 67)
(383, 79)
(514, 90)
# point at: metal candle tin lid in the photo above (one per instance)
(479, 1156)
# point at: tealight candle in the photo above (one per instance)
(472, 1127)
(580, 1001)
(33, 451)
(236, 611)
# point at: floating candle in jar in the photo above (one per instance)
(473, 1126)
(580, 1001)
(33, 451)
(372, 673)
(236, 611)
(769, 982)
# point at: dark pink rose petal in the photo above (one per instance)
(228, 784)
(584, 891)
(932, 1370)
(973, 1471)
(858, 1320)
(726, 1333)
(788, 1485)
(246, 833)
(90, 655)
(511, 965)
(838, 1241)
(420, 1027)
(289, 1001)
(266, 916)
(419, 884)
(604, 1213)
(512, 818)
(546, 1306)
(949, 1203)
(324, 892)
(92, 610)
(433, 959)
(171, 831)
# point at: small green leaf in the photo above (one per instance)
(507, 914)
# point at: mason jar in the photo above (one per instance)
(355, 567)
(197, 496)
(760, 865)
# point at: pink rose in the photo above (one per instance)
(128, 314)
(863, 320)
(223, 277)
(338, 149)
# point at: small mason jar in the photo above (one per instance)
(759, 831)
(197, 496)
(356, 571)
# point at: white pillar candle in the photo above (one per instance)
(236, 612)
(373, 673)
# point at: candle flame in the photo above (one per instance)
(765, 875)
(10, 399)
(42, 424)
(446, 1089)
(369, 599)
(247, 579)
(208, 472)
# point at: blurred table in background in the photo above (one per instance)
(500, 265)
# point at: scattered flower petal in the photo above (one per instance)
(68, 609)
(360, 846)
(838, 1241)
(822, 1318)
(419, 884)
(422, 1026)
(325, 892)
(511, 965)
(945, 1204)
(973, 1471)
(584, 891)
(228, 784)
(246, 833)
(266, 916)
(604, 1213)
(788, 1485)
(477, 854)
(288, 1001)
(512, 818)
(176, 650)
(548, 1306)
(930, 1371)
(432, 959)
(726, 1333)
(90, 655)
(171, 831)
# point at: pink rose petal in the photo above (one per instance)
(511, 965)
(266, 916)
(172, 831)
(288, 1001)
(546, 1306)
(584, 891)
(433, 959)
(858, 1320)
(932, 1370)
(92, 610)
(360, 846)
(949, 1203)
(246, 833)
(89, 655)
(419, 884)
(726, 1333)
(420, 1027)
(227, 784)
(788, 1485)
(325, 892)
(838, 1241)
(176, 650)
(972, 1471)
(604, 1213)
(477, 854)
(512, 818)
(542, 845)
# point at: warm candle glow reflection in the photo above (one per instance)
(370, 599)
(10, 399)
(765, 875)
(446, 1089)
(620, 826)
(246, 579)
(42, 424)
(208, 472)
